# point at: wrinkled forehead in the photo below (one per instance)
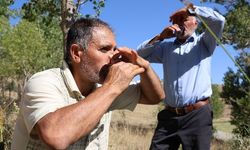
(102, 32)
(103, 36)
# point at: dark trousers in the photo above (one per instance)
(192, 130)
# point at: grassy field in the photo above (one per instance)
(223, 125)
(134, 130)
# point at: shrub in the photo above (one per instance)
(216, 102)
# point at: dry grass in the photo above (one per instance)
(134, 130)
(220, 145)
(129, 139)
(1, 124)
(1, 118)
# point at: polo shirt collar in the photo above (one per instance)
(70, 82)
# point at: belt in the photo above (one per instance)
(186, 109)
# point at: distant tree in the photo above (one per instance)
(4, 28)
(232, 83)
(4, 8)
(5, 13)
(236, 31)
(26, 51)
(63, 11)
(236, 90)
(216, 102)
(241, 113)
(236, 87)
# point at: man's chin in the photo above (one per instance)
(182, 37)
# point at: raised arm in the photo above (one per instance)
(152, 91)
(216, 23)
(151, 88)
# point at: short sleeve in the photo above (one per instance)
(128, 99)
(42, 94)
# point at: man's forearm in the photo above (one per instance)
(145, 50)
(213, 19)
(68, 124)
(215, 22)
(151, 87)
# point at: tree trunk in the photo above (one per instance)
(20, 88)
(67, 13)
(2, 88)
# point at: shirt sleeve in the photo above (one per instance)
(152, 53)
(215, 21)
(41, 96)
(128, 99)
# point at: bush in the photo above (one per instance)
(216, 102)
(240, 143)
(241, 113)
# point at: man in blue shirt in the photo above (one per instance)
(187, 117)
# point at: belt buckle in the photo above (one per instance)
(177, 111)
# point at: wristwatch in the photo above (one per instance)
(191, 12)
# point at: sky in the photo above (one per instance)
(134, 21)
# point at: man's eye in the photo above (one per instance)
(107, 49)
(104, 50)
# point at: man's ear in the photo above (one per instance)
(75, 52)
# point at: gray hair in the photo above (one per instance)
(81, 33)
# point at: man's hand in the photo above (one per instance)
(124, 54)
(131, 56)
(168, 32)
(178, 16)
(123, 67)
(128, 65)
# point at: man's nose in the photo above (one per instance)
(112, 53)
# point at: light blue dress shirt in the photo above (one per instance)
(187, 66)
